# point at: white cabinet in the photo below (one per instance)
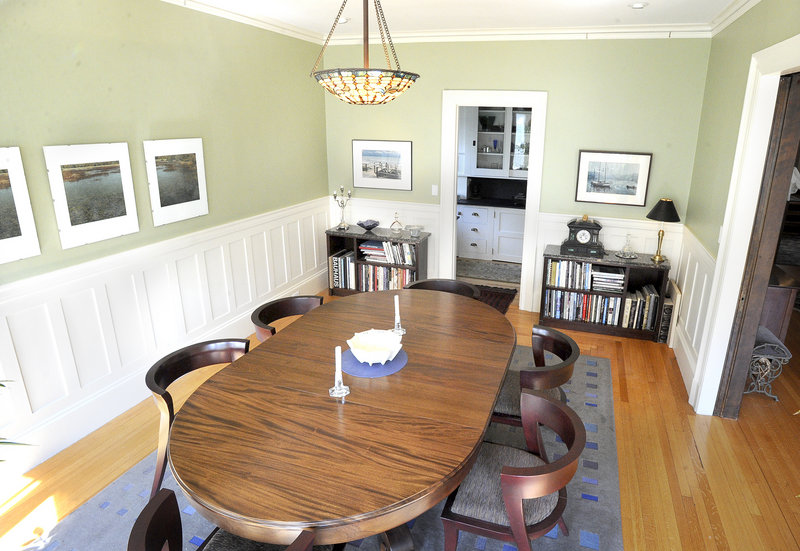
(495, 141)
(490, 233)
(508, 234)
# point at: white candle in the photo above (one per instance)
(337, 381)
(397, 311)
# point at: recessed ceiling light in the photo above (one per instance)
(638, 5)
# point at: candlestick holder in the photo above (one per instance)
(342, 199)
(339, 389)
(398, 329)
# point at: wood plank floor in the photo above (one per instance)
(686, 481)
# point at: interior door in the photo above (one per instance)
(781, 157)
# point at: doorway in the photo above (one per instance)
(452, 100)
(782, 159)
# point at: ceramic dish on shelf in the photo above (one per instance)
(367, 224)
(375, 346)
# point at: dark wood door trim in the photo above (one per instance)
(781, 154)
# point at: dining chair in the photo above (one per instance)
(172, 367)
(281, 308)
(518, 495)
(448, 286)
(546, 379)
(158, 527)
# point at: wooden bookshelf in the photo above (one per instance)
(406, 260)
(590, 294)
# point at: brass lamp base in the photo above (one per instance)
(657, 258)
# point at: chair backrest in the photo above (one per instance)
(448, 286)
(159, 523)
(546, 339)
(177, 364)
(267, 313)
(520, 483)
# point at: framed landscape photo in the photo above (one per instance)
(18, 237)
(613, 178)
(382, 164)
(92, 192)
(177, 179)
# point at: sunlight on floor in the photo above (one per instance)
(34, 530)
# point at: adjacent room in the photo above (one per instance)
(262, 287)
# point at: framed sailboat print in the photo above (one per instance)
(613, 178)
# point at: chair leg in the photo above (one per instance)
(563, 526)
(450, 535)
(397, 539)
(161, 466)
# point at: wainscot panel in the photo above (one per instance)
(75, 343)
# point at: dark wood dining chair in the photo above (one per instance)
(448, 286)
(172, 367)
(267, 313)
(546, 379)
(518, 495)
(158, 527)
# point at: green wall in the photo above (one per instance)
(768, 23)
(615, 95)
(96, 71)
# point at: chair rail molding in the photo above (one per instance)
(76, 342)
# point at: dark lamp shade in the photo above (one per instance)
(664, 211)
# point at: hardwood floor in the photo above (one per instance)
(686, 481)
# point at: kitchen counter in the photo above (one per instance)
(502, 203)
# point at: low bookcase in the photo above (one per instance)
(611, 295)
(376, 260)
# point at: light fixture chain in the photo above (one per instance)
(382, 24)
(330, 34)
(383, 35)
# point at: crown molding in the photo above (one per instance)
(731, 14)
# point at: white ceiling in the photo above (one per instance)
(435, 20)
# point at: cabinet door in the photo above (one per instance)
(520, 141)
(491, 142)
(508, 234)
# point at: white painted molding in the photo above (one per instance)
(731, 14)
(76, 342)
(766, 67)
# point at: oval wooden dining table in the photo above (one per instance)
(262, 450)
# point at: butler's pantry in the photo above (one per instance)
(493, 150)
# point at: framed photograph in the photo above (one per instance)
(382, 164)
(613, 178)
(18, 237)
(92, 192)
(177, 179)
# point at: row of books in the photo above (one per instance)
(575, 306)
(342, 270)
(569, 274)
(608, 279)
(383, 278)
(386, 252)
(640, 308)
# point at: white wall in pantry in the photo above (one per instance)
(76, 342)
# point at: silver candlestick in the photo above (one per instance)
(342, 201)
(339, 389)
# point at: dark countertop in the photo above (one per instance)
(379, 234)
(641, 261)
(502, 203)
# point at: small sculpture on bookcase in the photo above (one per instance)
(342, 199)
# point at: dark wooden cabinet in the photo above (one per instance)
(610, 295)
(376, 260)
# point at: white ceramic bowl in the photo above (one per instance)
(376, 346)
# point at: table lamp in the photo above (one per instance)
(663, 211)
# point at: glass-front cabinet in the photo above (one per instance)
(496, 141)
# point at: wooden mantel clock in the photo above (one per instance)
(583, 238)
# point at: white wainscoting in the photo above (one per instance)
(694, 276)
(76, 342)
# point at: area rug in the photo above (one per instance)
(487, 269)
(497, 297)
(592, 514)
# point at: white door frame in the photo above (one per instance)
(451, 101)
(766, 68)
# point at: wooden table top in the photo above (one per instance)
(263, 451)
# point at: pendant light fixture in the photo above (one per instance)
(365, 85)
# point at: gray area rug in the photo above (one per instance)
(592, 514)
(487, 269)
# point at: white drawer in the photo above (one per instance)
(472, 246)
(471, 232)
(476, 216)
